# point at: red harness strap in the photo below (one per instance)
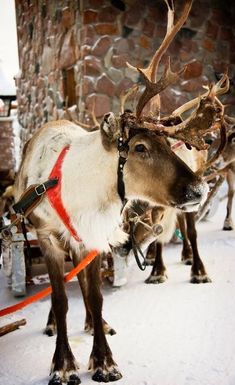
(54, 195)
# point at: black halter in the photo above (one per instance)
(122, 148)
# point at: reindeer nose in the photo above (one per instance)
(193, 193)
(197, 192)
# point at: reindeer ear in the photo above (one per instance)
(109, 129)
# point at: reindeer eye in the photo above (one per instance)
(233, 140)
(140, 148)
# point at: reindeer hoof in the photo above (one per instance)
(228, 225)
(74, 380)
(50, 331)
(200, 279)
(104, 376)
(227, 228)
(111, 332)
(156, 279)
(88, 328)
(187, 261)
(100, 376)
(114, 375)
(108, 329)
(55, 380)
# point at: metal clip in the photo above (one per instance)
(42, 191)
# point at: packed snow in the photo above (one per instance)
(175, 333)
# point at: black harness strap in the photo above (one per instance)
(33, 196)
(122, 149)
(120, 182)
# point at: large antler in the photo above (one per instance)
(149, 74)
(206, 118)
(220, 88)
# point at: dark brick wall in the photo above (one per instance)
(84, 45)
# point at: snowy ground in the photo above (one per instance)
(175, 333)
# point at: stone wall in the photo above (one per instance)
(7, 161)
(74, 53)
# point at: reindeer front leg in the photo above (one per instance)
(103, 367)
(198, 271)
(187, 254)
(158, 273)
(64, 367)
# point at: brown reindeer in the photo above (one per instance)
(147, 217)
(90, 195)
(229, 158)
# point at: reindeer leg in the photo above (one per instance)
(198, 271)
(83, 285)
(158, 273)
(103, 367)
(64, 367)
(50, 329)
(228, 222)
(151, 254)
(187, 254)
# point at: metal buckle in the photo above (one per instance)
(43, 189)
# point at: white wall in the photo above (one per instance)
(8, 40)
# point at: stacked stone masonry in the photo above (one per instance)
(7, 162)
(74, 54)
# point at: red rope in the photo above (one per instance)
(43, 293)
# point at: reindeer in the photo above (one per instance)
(219, 174)
(82, 211)
(229, 158)
(150, 227)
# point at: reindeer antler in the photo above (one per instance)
(125, 95)
(220, 88)
(206, 118)
(149, 74)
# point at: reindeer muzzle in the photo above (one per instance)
(194, 197)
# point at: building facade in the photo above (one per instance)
(73, 54)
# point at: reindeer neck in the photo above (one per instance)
(89, 165)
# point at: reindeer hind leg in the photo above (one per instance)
(88, 327)
(187, 253)
(198, 271)
(228, 222)
(50, 329)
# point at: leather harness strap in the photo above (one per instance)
(32, 197)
